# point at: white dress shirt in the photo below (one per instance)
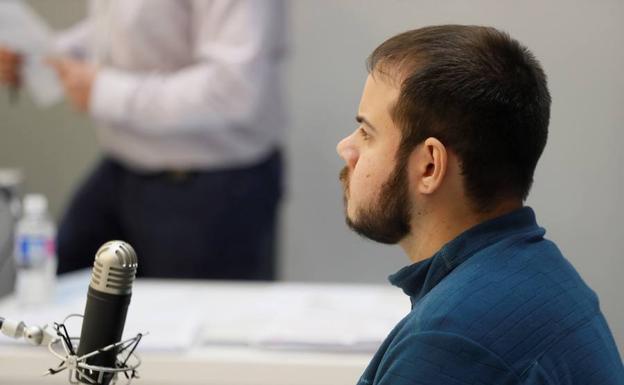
(184, 84)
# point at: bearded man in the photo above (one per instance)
(452, 122)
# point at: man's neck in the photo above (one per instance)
(433, 230)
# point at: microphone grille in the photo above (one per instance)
(114, 268)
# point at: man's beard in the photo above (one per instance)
(388, 219)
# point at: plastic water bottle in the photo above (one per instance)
(35, 252)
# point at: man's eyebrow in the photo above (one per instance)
(362, 120)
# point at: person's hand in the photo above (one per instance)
(10, 64)
(77, 78)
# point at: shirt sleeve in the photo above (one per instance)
(74, 41)
(223, 88)
(437, 358)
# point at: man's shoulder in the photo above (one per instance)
(515, 300)
(505, 280)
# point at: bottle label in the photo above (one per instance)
(33, 250)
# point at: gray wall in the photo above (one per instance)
(578, 181)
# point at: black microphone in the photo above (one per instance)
(108, 298)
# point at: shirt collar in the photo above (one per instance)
(419, 278)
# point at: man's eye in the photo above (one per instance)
(364, 134)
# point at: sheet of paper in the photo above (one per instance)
(167, 314)
(23, 30)
(352, 318)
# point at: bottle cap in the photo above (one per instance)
(35, 204)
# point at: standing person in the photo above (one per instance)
(186, 98)
(452, 122)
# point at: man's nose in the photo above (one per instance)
(347, 151)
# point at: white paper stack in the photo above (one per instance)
(353, 318)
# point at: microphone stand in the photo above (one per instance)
(63, 347)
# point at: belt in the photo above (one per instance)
(178, 175)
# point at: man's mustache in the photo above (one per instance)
(344, 175)
(344, 178)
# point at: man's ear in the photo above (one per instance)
(428, 166)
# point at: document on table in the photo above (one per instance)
(22, 30)
(348, 318)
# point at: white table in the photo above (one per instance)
(228, 333)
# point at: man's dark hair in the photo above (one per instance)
(478, 91)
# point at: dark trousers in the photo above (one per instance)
(214, 224)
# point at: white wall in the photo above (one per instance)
(579, 181)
